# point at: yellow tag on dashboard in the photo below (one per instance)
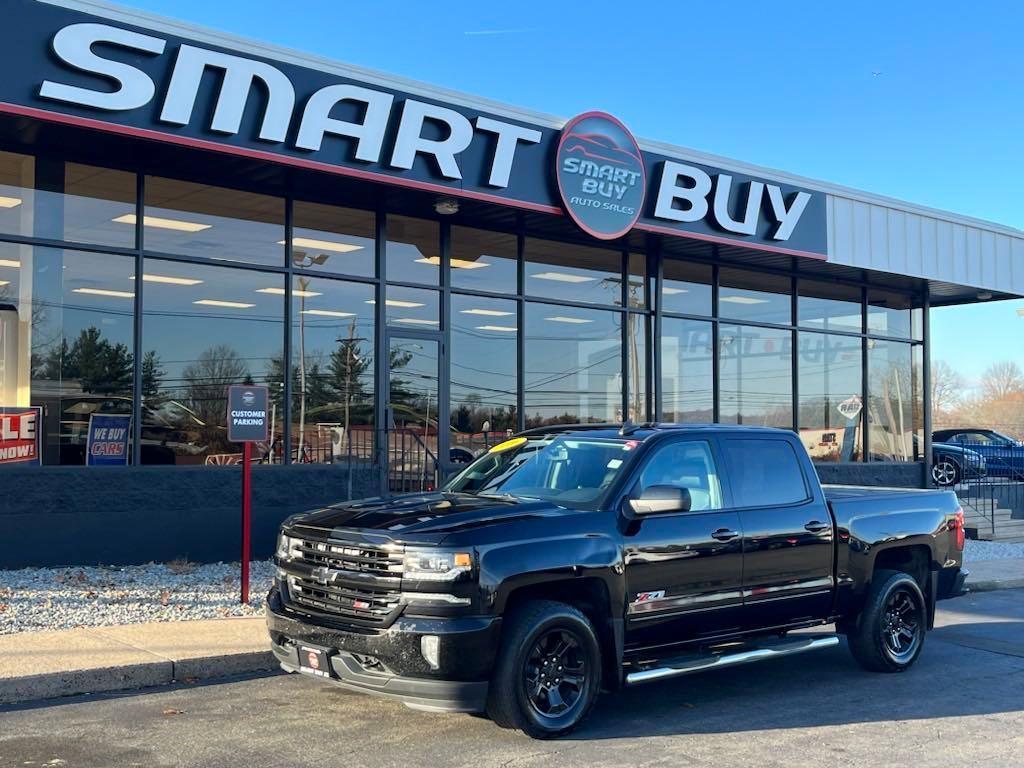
(508, 445)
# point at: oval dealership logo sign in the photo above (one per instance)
(600, 173)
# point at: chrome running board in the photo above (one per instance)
(702, 663)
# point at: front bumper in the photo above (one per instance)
(389, 662)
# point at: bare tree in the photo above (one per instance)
(947, 387)
(208, 378)
(1002, 380)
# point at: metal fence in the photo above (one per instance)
(989, 481)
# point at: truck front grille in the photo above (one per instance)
(355, 583)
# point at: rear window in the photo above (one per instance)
(764, 473)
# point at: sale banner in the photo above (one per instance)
(20, 433)
(107, 444)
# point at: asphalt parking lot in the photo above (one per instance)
(963, 704)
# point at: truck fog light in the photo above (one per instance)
(430, 647)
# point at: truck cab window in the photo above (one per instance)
(764, 473)
(687, 465)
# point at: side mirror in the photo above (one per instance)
(661, 498)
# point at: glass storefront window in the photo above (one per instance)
(638, 286)
(203, 329)
(895, 397)
(92, 208)
(573, 370)
(831, 402)
(573, 272)
(636, 365)
(332, 371)
(829, 306)
(412, 308)
(213, 222)
(687, 377)
(755, 297)
(331, 239)
(483, 370)
(483, 260)
(17, 196)
(413, 253)
(756, 384)
(893, 314)
(66, 341)
(686, 287)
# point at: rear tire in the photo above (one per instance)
(946, 473)
(889, 633)
(548, 674)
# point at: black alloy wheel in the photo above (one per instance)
(554, 673)
(902, 625)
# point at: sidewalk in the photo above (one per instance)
(988, 575)
(41, 665)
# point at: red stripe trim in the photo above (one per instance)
(315, 165)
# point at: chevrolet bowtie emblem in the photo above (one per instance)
(323, 575)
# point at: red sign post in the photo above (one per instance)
(247, 423)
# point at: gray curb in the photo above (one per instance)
(991, 585)
(105, 680)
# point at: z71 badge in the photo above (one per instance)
(646, 597)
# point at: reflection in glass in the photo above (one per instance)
(17, 197)
(831, 401)
(687, 388)
(895, 401)
(413, 253)
(573, 365)
(760, 298)
(483, 260)
(207, 328)
(483, 370)
(94, 202)
(829, 306)
(638, 286)
(893, 314)
(412, 308)
(756, 376)
(573, 272)
(413, 437)
(214, 222)
(686, 287)
(332, 239)
(636, 362)
(332, 371)
(66, 341)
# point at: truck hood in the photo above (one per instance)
(421, 518)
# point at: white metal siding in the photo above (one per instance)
(872, 236)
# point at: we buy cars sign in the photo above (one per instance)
(19, 435)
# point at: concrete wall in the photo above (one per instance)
(52, 516)
(901, 475)
(128, 515)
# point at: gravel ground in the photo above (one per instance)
(993, 550)
(61, 598)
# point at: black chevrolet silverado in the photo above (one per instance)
(574, 559)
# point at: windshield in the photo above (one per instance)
(569, 471)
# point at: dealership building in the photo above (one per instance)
(414, 273)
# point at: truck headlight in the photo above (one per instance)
(286, 546)
(436, 564)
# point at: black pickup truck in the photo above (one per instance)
(575, 559)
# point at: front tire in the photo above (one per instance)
(890, 631)
(548, 673)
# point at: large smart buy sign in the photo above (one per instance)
(136, 81)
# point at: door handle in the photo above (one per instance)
(724, 534)
(816, 526)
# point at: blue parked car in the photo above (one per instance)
(953, 464)
(1004, 456)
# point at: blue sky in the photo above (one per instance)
(917, 100)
